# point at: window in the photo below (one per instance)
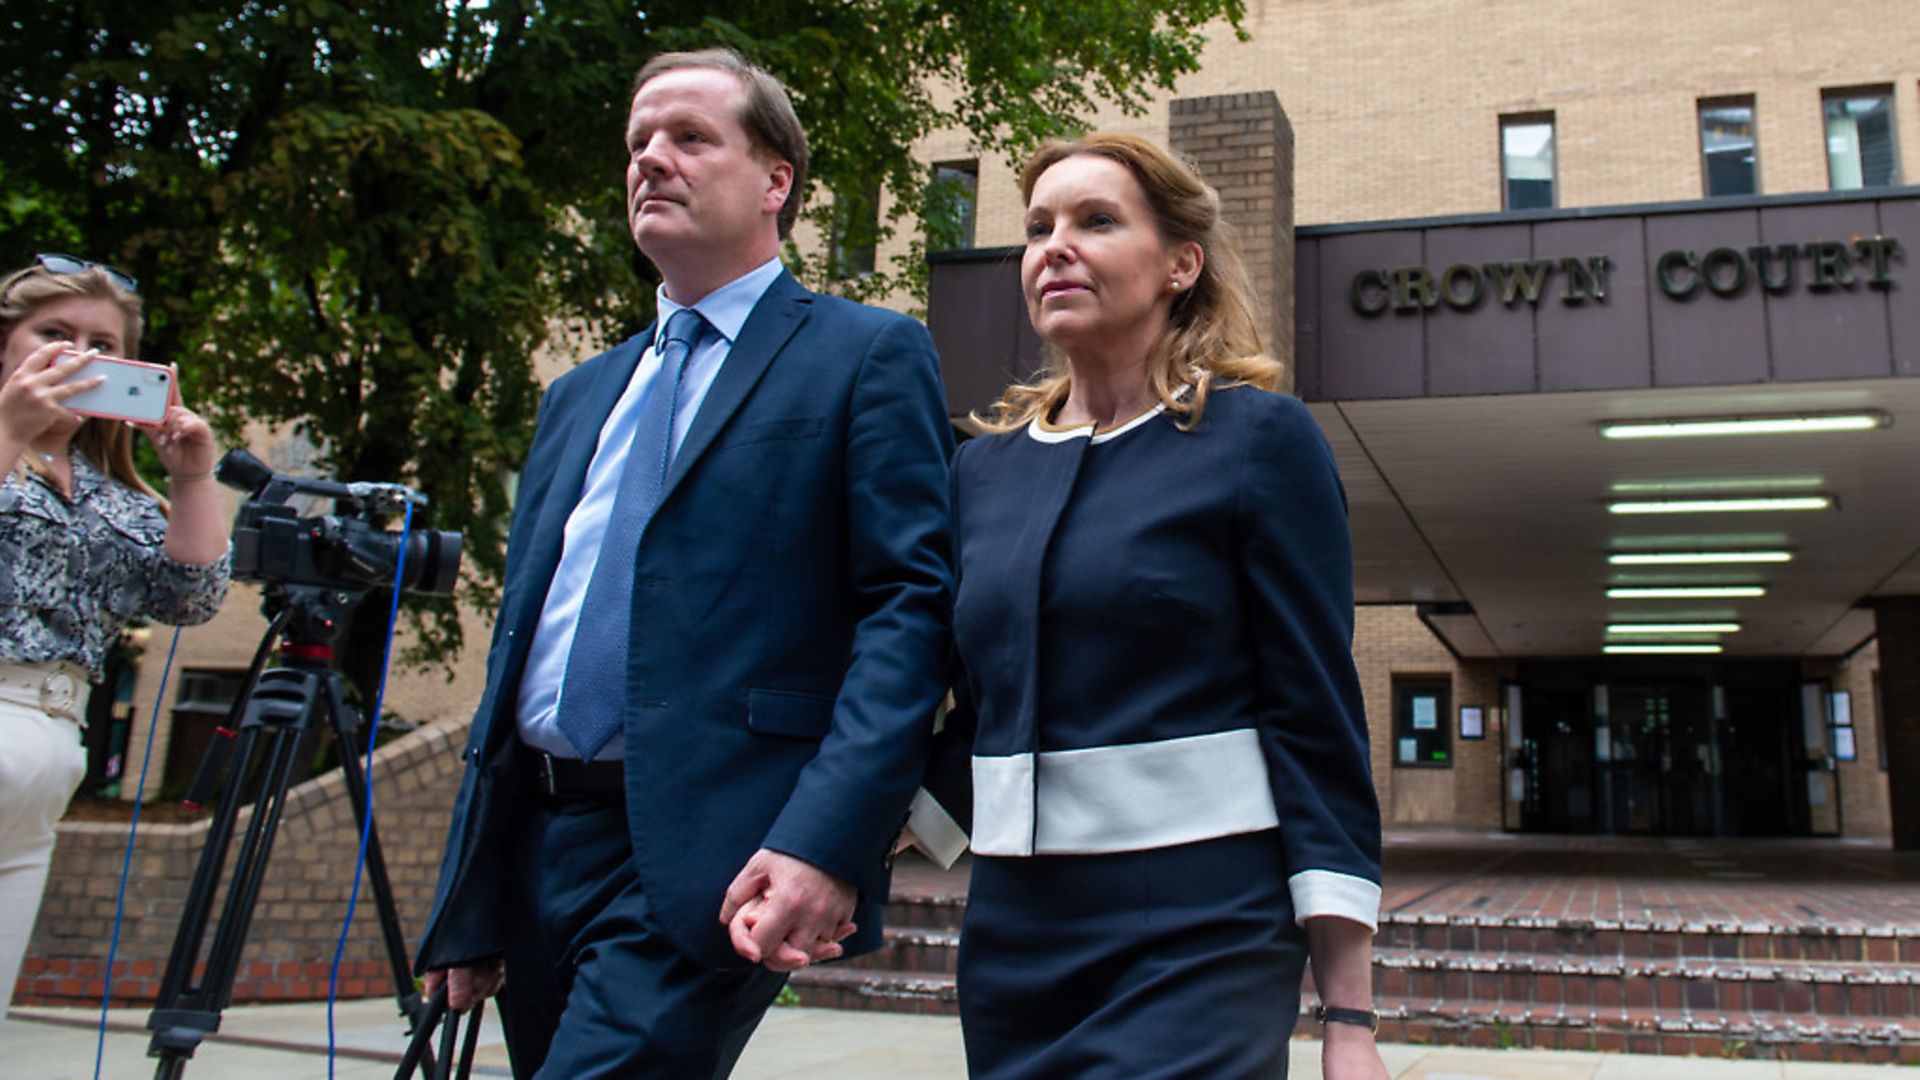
(1860, 139)
(1421, 718)
(950, 201)
(205, 700)
(1526, 162)
(1728, 164)
(856, 230)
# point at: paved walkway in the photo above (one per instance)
(289, 1042)
(1659, 880)
(1663, 881)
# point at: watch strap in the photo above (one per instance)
(1366, 1018)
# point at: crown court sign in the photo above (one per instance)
(1787, 288)
(1679, 273)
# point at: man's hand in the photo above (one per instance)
(468, 986)
(786, 913)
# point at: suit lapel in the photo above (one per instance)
(774, 319)
(586, 416)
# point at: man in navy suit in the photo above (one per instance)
(722, 634)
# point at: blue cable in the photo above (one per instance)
(126, 861)
(373, 734)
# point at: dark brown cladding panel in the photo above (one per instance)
(1770, 328)
(1902, 219)
(1768, 290)
(980, 326)
(1597, 344)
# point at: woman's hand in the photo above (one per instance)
(1349, 1053)
(196, 529)
(31, 396)
(183, 442)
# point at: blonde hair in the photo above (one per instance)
(107, 443)
(1212, 337)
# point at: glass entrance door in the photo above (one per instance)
(1814, 762)
(1723, 749)
(1657, 760)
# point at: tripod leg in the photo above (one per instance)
(474, 1016)
(345, 720)
(187, 1012)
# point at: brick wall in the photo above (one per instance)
(296, 924)
(1395, 106)
(1243, 146)
(1864, 808)
(1389, 641)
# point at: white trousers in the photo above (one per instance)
(41, 766)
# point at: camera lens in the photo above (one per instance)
(433, 562)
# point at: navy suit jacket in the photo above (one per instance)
(789, 623)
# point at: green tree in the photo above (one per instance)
(363, 218)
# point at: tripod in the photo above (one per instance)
(272, 724)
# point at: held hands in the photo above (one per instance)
(785, 913)
(31, 397)
(467, 986)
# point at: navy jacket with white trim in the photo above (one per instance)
(1150, 624)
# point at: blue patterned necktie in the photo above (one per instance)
(593, 697)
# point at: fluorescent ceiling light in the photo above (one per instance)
(1696, 558)
(1742, 425)
(1721, 506)
(1737, 483)
(1692, 650)
(1680, 592)
(1673, 628)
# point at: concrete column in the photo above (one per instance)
(1243, 146)
(1899, 633)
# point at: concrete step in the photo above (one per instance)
(1762, 1034)
(1653, 939)
(841, 986)
(913, 949)
(1824, 990)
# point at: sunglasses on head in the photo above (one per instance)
(55, 263)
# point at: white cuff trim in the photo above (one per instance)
(1328, 892)
(935, 832)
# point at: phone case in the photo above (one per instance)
(134, 390)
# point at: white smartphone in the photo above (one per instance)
(134, 390)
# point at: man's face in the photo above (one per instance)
(697, 192)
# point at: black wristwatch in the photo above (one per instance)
(1365, 1018)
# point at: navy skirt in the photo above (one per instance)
(1150, 965)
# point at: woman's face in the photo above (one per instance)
(1097, 273)
(89, 322)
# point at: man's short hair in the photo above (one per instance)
(766, 113)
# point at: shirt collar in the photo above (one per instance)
(727, 307)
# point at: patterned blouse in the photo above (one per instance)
(72, 573)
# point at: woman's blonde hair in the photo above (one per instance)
(108, 443)
(1212, 338)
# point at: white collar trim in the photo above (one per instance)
(1086, 431)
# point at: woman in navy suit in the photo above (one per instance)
(1159, 738)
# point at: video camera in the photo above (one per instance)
(343, 551)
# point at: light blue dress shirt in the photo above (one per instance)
(726, 310)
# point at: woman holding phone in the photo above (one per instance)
(85, 545)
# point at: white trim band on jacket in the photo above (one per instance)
(1122, 798)
(940, 837)
(1330, 892)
